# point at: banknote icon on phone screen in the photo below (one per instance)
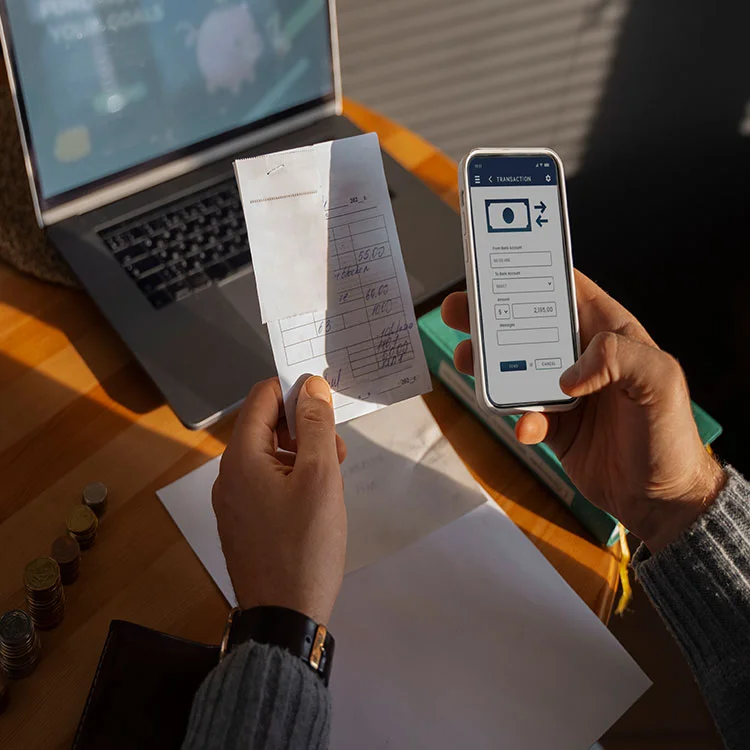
(509, 215)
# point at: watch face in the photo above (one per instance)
(318, 650)
(226, 637)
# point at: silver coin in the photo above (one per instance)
(15, 627)
(94, 493)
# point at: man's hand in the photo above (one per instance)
(631, 446)
(279, 504)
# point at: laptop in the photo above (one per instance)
(131, 114)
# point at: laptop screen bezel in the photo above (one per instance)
(152, 172)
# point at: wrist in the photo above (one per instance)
(284, 628)
(316, 610)
(677, 515)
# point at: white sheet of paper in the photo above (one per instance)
(339, 306)
(402, 480)
(452, 630)
(469, 638)
(399, 486)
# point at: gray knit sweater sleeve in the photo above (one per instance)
(260, 697)
(700, 585)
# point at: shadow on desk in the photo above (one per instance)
(65, 317)
(535, 509)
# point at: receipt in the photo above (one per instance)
(282, 199)
(337, 305)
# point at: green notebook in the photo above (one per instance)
(439, 342)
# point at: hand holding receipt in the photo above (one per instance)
(331, 279)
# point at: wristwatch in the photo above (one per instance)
(278, 626)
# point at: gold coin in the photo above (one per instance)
(41, 574)
(81, 519)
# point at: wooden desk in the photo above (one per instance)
(74, 408)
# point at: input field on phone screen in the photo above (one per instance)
(517, 286)
(520, 260)
(535, 310)
(528, 336)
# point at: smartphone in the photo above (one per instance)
(519, 276)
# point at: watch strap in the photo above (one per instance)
(286, 628)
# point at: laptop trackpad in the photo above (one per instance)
(242, 294)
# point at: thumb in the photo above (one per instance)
(316, 427)
(641, 370)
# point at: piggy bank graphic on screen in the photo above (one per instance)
(228, 45)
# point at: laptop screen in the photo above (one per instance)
(109, 85)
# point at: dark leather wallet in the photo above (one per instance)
(143, 690)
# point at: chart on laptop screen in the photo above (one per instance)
(112, 84)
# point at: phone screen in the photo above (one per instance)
(524, 290)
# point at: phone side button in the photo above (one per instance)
(465, 242)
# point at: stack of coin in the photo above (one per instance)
(82, 525)
(45, 596)
(3, 695)
(19, 644)
(66, 552)
(95, 497)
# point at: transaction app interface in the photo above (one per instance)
(522, 278)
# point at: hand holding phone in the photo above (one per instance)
(519, 274)
(632, 446)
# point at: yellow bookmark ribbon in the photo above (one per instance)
(624, 565)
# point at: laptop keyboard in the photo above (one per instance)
(183, 247)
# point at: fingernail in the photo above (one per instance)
(570, 377)
(319, 389)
